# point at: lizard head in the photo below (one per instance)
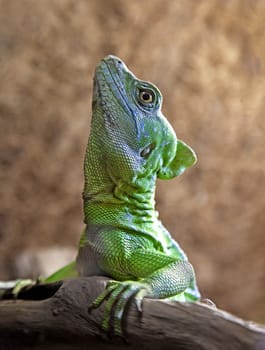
(136, 139)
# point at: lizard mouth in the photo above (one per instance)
(111, 73)
(96, 94)
(110, 78)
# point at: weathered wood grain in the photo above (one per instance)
(61, 320)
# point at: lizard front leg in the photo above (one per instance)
(165, 282)
(141, 271)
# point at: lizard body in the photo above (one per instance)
(131, 144)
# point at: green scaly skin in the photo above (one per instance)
(131, 144)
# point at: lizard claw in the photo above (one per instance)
(139, 300)
(118, 296)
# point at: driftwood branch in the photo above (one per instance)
(56, 316)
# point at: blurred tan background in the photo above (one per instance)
(207, 57)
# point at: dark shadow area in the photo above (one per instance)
(37, 292)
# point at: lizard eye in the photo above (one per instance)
(146, 96)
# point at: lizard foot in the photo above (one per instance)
(118, 296)
(14, 287)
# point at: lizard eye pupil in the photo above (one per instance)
(146, 96)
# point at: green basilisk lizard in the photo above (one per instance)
(131, 144)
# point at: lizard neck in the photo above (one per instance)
(120, 205)
(125, 205)
(115, 201)
(126, 208)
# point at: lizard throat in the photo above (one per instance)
(124, 207)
